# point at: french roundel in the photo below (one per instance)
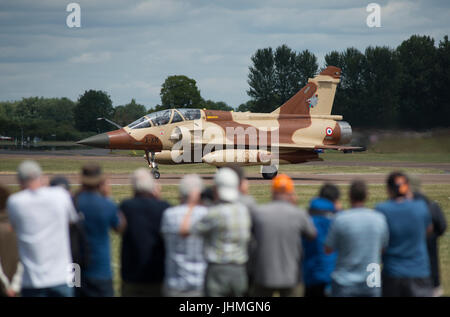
(329, 131)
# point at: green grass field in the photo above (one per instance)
(410, 142)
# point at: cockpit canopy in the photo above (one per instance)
(165, 117)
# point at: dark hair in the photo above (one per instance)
(398, 184)
(91, 169)
(207, 197)
(4, 194)
(329, 191)
(358, 191)
(238, 170)
(60, 181)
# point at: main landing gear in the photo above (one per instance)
(269, 172)
(152, 164)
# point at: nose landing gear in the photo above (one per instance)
(152, 164)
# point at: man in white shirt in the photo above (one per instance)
(40, 217)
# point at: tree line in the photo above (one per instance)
(64, 120)
(382, 87)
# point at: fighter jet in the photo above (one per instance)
(296, 132)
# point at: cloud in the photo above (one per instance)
(89, 58)
(128, 48)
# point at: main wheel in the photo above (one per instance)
(156, 174)
(269, 175)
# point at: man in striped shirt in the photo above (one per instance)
(226, 233)
(184, 264)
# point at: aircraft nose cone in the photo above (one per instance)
(99, 140)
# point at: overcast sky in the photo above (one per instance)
(128, 48)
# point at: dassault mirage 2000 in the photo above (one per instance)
(294, 133)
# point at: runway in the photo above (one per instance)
(102, 155)
(300, 178)
(256, 179)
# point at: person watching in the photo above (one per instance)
(358, 235)
(277, 229)
(226, 233)
(406, 266)
(100, 215)
(40, 216)
(143, 249)
(185, 264)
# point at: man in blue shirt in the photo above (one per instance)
(100, 215)
(406, 267)
(358, 235)
(317, 265)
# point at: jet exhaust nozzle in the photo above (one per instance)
(346, 132)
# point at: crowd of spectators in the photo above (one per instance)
(217, 241)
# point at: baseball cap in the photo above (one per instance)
(282, 184)
(60, 181)
(227, 184)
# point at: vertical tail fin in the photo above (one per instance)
(317, 97)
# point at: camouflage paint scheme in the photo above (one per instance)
(299, 129)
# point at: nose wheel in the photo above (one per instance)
(150, 157)
(155, 173)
